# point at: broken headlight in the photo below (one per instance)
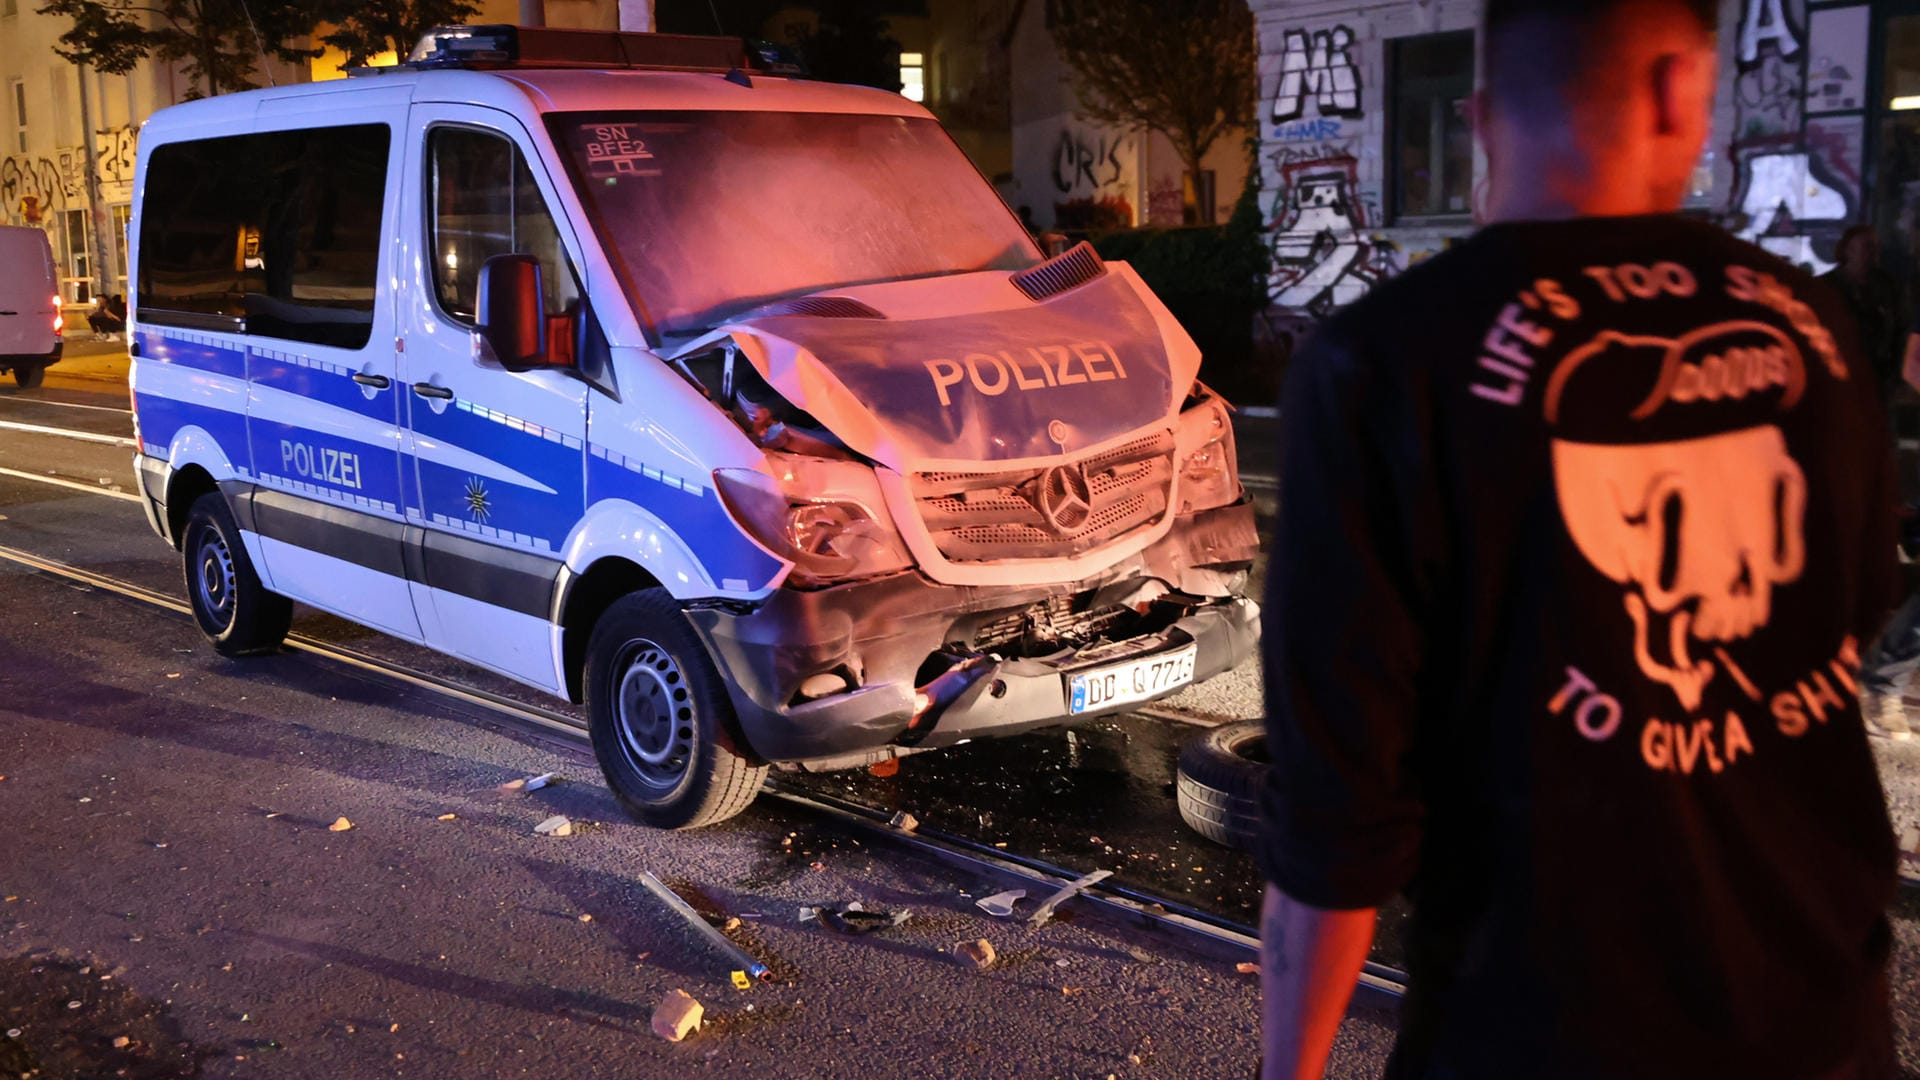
(1209, 466)
(824, 517)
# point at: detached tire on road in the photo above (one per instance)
(27, 377)
(1218, 788)
(234, 609)
(663, 726)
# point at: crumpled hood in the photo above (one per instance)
(1003, 379)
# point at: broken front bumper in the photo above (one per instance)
(890, 638)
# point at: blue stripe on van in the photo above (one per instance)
(201, 354)
(161, 418)
(457, 499)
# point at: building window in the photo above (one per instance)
(913, 76)
(122, 214)
(79, 280)
(17, 104)
(1431, 132)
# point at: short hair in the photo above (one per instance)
(1536, 50)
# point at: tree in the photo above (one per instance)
(363, 30)
(219, 40)
(1187, 69)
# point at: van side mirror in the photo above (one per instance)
(512, 313)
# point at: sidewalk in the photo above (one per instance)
(90, 357)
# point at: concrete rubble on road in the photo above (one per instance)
(557, 825)
(978, 955)
(677, 1016)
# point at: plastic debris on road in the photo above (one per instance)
(1247, 969)
(1040, 916)
(1000, 904)
(677, 1016)
(905, 822)
(854, 918)
(535, 783)
(741, 982)
(340, 825)
(444, 817)
(978, 955)
(557, 825)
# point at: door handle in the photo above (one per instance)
(427, 389)
(378, 382)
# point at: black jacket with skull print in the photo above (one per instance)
(1584, 528)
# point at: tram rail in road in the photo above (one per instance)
(1042, 877)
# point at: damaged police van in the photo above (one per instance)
(735, 405)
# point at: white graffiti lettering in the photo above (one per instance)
(1319, 69)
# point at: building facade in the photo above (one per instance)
(1368, 161)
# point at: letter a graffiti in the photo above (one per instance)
(1764, 21)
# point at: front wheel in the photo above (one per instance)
(661, 721)
(27, 377)
(233, 608)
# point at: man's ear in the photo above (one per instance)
(1683, 84)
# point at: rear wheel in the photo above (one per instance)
(26, 377)
(1219, 784)
(663, 727)
(233, 608)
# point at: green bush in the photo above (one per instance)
(1214, 280)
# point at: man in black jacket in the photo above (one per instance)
(1585, 524)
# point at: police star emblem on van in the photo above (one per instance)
(763, 473)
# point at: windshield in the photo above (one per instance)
(707, 214)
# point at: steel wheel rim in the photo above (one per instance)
(214, 580)
(653, 714)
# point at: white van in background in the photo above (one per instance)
(30, 322)
(738, 406)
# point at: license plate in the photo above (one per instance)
(1135, 680)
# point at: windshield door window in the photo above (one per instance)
(708, 214)
(485, 203)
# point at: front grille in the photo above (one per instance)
(1049, 625)
(819, 307)
(1037, 513)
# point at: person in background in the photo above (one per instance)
(1873, 297)
(1563, 626)
(109, 315)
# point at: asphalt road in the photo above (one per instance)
(166, 820)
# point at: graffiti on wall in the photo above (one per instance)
(1088, 163)
(1317, 69)
(1323, 257)
(1797, 182)
(24, 177)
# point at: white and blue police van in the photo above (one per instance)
(734, 405)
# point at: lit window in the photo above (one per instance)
(913, 76)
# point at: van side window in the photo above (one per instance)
(485, 203)
(278, 232)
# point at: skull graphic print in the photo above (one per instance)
(1699, 531)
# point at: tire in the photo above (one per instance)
(26, 377)
(236, 612)
(663, 726)
(1218, 788)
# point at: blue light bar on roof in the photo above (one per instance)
(499, 45)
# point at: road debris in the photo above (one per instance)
(444, 817)
(1142, 955)
(677, 1016)
(978, 955)
(530, 783)
(557, 825)
(121, 1042)
(1000, 904)
(905, 822)
(741, 982)
(586, 918)
(855, 919)
(884, 769)
(732, 924)
(739, 956)
(1039, 918)
(1247, 969)
(340, 825)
